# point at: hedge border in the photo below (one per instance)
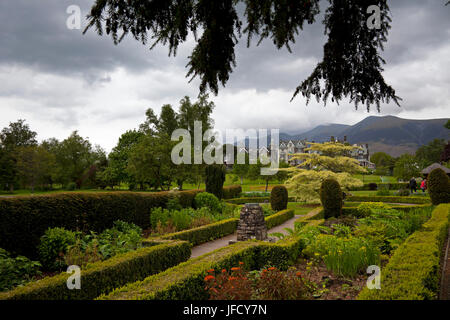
(389, 199)
(245, 200)
(413, 271)
(279, 218)
(102, 277)
(186, 280)
(354, 210)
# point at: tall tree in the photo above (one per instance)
(17, 134)
(384, 163)
(430, 153)
(33, 165)
(406, 167)
(351, 65)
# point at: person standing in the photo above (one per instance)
(423, 185)
(413, 185)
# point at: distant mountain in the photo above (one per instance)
(389, 134)
(318, 134)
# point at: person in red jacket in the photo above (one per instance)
(423, 185)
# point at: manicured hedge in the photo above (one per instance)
(205, 233)
(279, 218)
(244, 200)
(24, 219)
(389, 186)
(413, 271)
(231, 192)
(103, 277)
(186, 281)
(390, 199)
(353, 211)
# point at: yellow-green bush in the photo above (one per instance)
(103, 277)
(413, 271)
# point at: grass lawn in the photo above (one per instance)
(368, 178)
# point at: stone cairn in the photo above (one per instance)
(251, 223)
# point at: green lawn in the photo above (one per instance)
(299, 208)
(368, 178)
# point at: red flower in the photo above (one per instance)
(209, 277)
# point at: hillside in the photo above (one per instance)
(389, 134)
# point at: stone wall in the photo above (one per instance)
(251, 223)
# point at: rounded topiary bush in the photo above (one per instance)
(331, 197)
(208, 200)
(279, 198)
(438, 186)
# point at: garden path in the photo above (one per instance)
(222, 242)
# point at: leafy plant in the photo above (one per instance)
(16, 271)
(209, 200)
(54, 244)
(365, 209)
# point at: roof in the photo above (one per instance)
(430, 168)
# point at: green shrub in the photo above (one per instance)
(53, 246)
(208, 200)
(102, 277)
(232, 192)
(215, 177)
(331, 198)
(413, 271)
(174, 204)
(16, 271)
(279, 198)
(159, 215)
(71, 186)
(365, 209)
(438, 184)
(181, 219)
(122, 238)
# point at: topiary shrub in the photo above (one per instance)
(438, 186)
(331, 198)
(279, 198)
(372, 186)
(205, 199)
(215, 177)
(53, 246)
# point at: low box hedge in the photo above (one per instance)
(279, 218)
(390, 199)
(413, 271)
(205, 233)
(353, 211)
(245, 200)
(186, 281)
(389, 186)
(103, 277)
(230, 192)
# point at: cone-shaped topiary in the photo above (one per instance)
(438, 186)
(331, 197)
(215, 177)
(279, 198)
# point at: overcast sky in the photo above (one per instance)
(60, 80)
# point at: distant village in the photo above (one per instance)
(288, 148)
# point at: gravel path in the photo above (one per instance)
(222, 242)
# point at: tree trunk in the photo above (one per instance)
(267, 184)
(242, 180)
